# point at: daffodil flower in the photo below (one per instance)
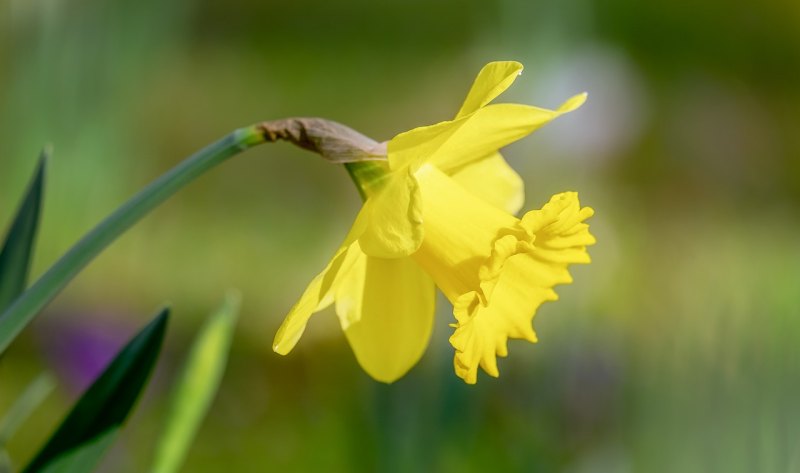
(439, 211)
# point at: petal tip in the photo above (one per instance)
(573, 103)
(285, 340)
(510, 65)
(386, 381)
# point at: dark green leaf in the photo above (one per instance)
(83, 458)
(83, 436)
(17, 250)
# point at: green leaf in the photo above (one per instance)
(36, 392)
(84, 457)
(25, 307)
(90, 427)
(5, 462)
(17, 250)
(197, 386)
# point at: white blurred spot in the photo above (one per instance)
(612, 118)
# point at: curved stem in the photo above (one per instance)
(35, 298)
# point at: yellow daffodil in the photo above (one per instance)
(440, 212)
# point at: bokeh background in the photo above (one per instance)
(676, 350)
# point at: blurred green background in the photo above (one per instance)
(676, 350)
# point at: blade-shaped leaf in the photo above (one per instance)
(17, 250)
(195, 390)
(89, 428)
(83, 458)
(36, 392)
(5, 462)
(25, 307)
(24, 405)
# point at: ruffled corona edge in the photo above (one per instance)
(526, 263)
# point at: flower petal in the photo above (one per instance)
(386, 309)
(460, 229)
(518, 277)
(319, 293)
(483, 330)
(492, 81)
(493, 127)
(415, 145)
(561, 234)
(493, 180)
(393, 218)
(452, 144)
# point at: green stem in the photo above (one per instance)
(33, 300)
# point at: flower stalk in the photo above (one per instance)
(333, 141)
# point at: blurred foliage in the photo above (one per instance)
(16, 251)
(194, 391)
(674, 351)
(95, 420)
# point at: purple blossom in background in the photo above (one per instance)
(79, 351)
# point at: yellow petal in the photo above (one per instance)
(561, 237)
(460, 229)
(491, 128)
(493, 180)
(393, 218)
(453, 144)
(518, 277)
(386, 309)
(415, 145)
(492, 81)
(316, 297)
(482, 332)
(319, 293)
